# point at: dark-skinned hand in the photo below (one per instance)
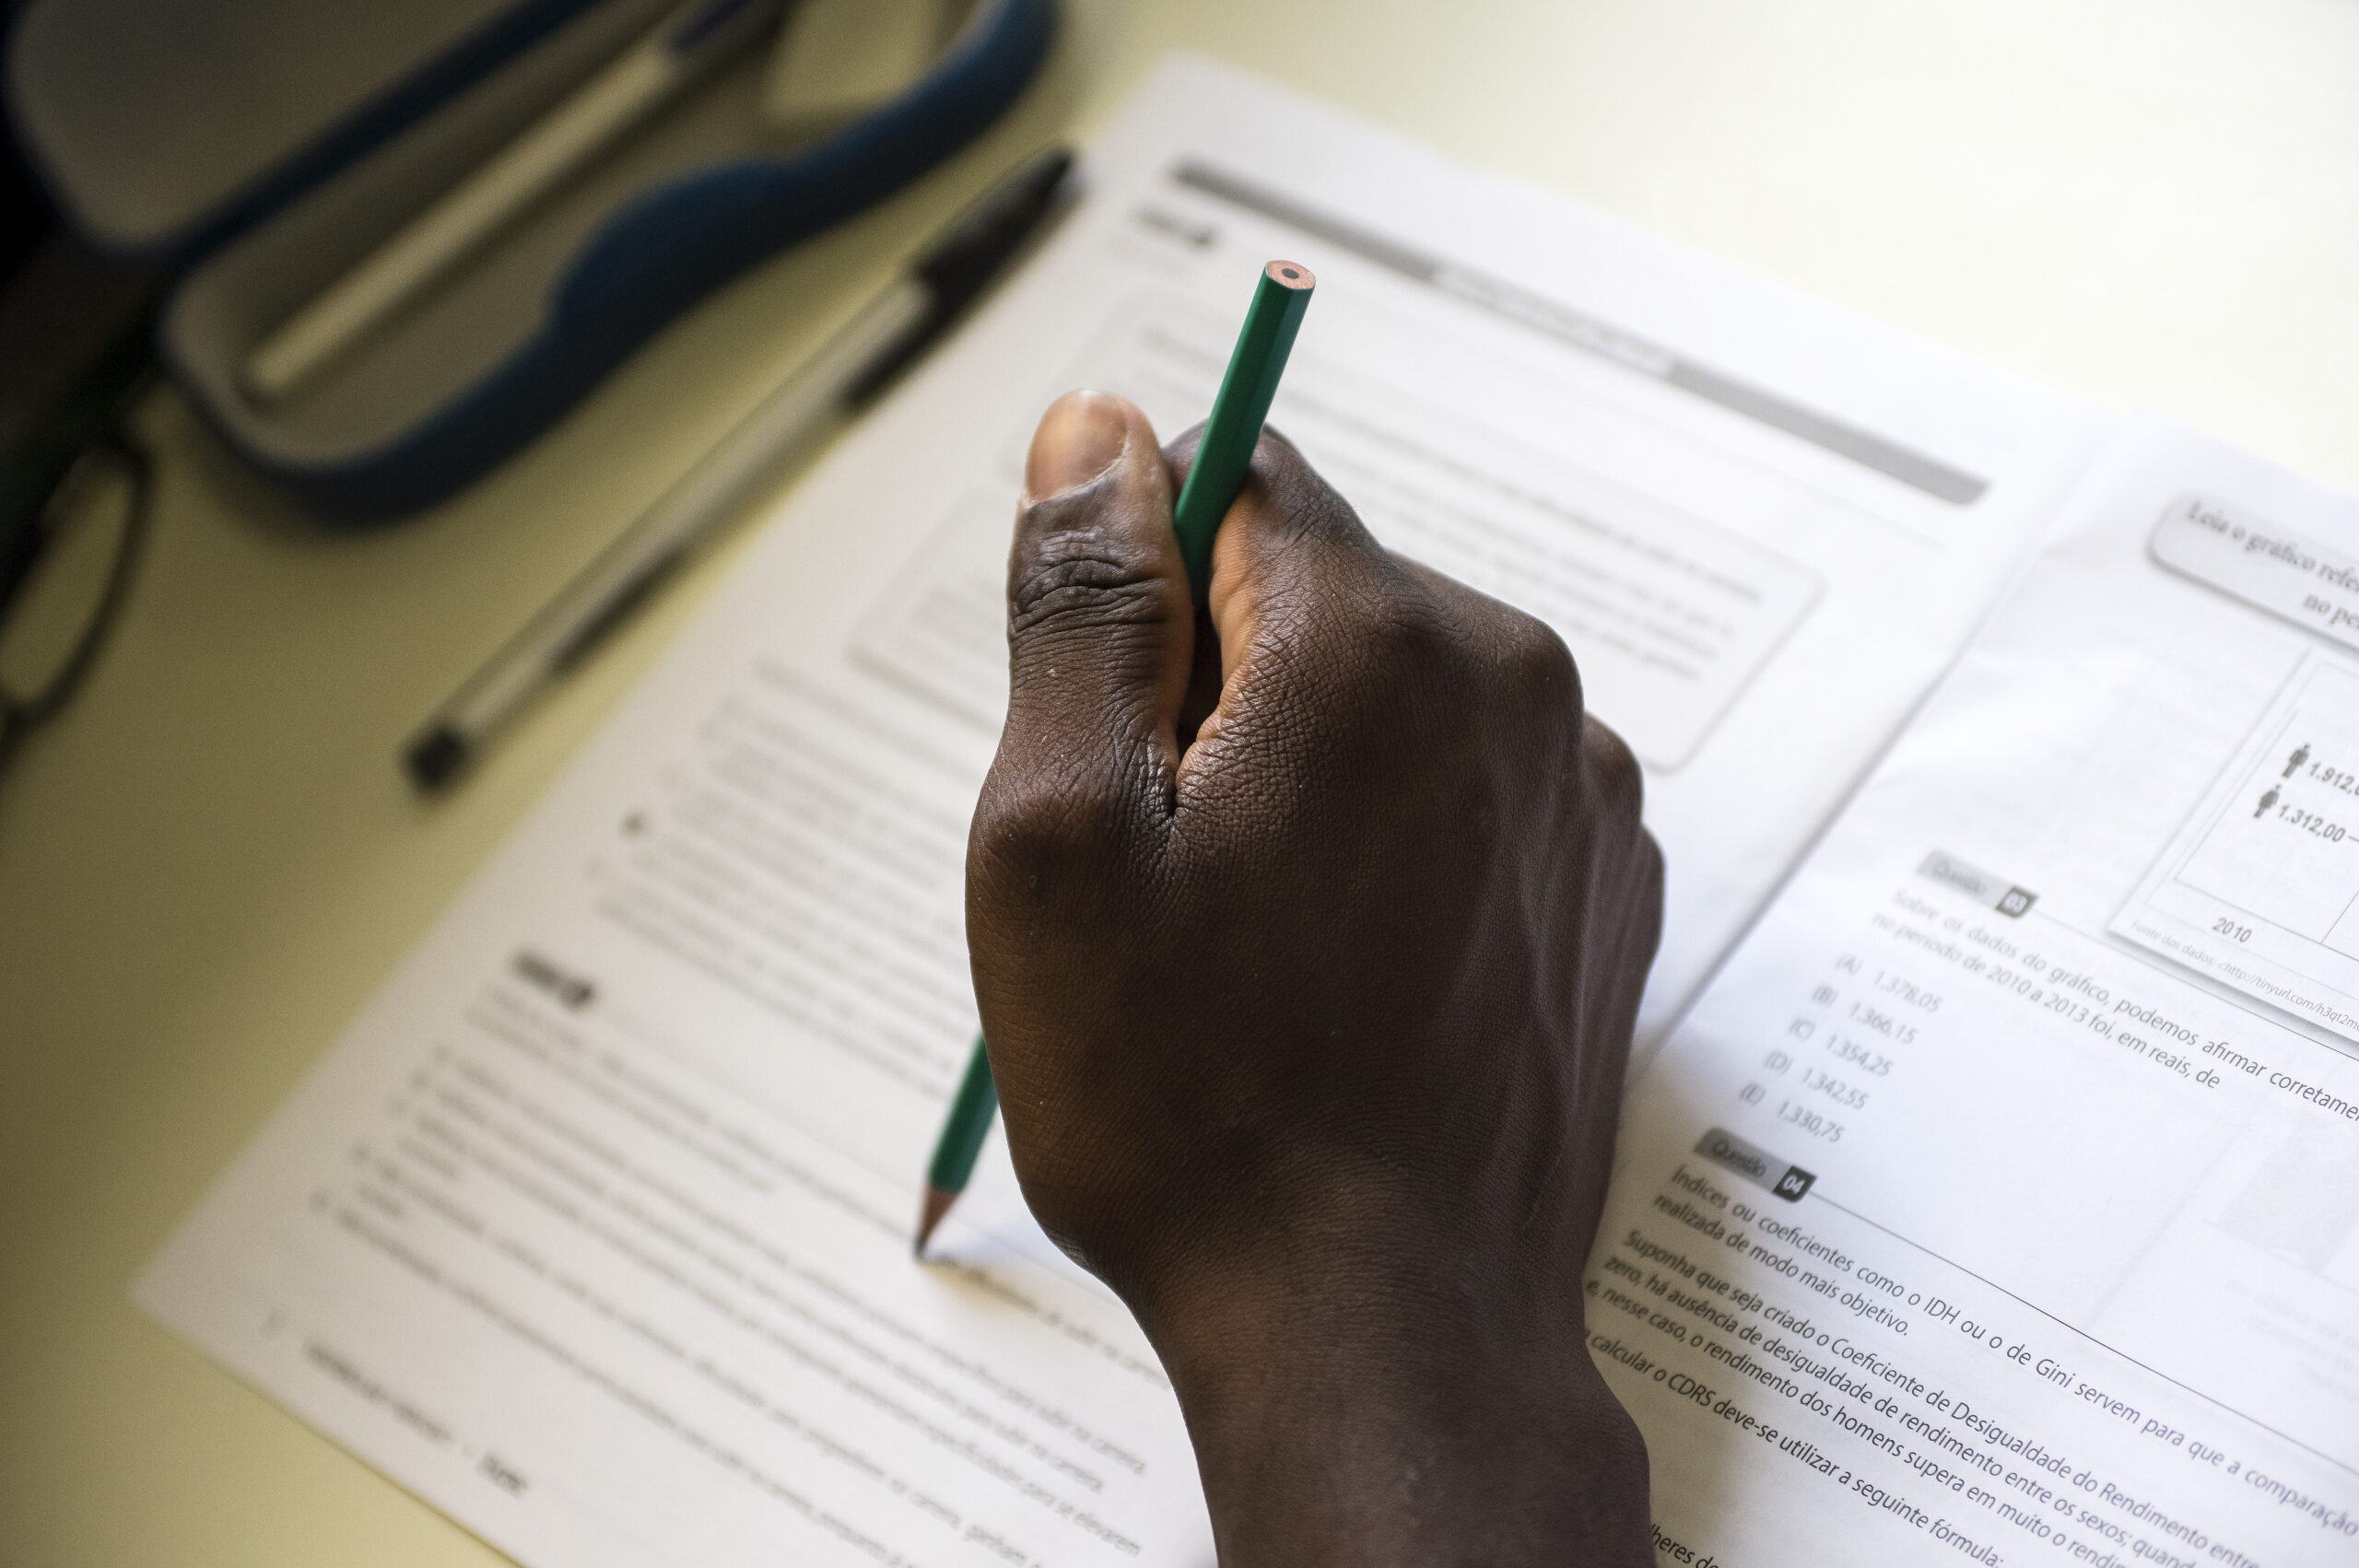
(1308, 935)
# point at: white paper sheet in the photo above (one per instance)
(593, 1227)
(1948, 1223)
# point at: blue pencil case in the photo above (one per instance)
(269, 146)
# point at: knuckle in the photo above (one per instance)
(1040, 824)
(1080, 578)
(1294, 500)
(1536, 664)
(1396, 629)
(1651, 867)
(1512, 666)
(1616, 782)
(1398, 644)
(1082, 588)
(1317, 508)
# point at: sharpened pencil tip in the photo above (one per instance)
(937, 1204)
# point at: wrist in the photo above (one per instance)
(1392, 1405)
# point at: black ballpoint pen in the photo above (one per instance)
(846, 374)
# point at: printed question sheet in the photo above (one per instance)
(593, 1229)
(1999, 1201)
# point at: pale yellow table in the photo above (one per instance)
(210, 862)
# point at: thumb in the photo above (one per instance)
(1101, 627)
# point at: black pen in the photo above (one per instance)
(843, 377)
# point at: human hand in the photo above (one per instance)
(1309, 1021)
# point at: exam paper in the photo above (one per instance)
(1999, 1201)
(593, 1228)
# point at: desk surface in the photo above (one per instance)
(210, 862)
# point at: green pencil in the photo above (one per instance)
(1222, 457)
(1238, 408)
(971, 1109)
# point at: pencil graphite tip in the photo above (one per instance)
(937, 1204)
